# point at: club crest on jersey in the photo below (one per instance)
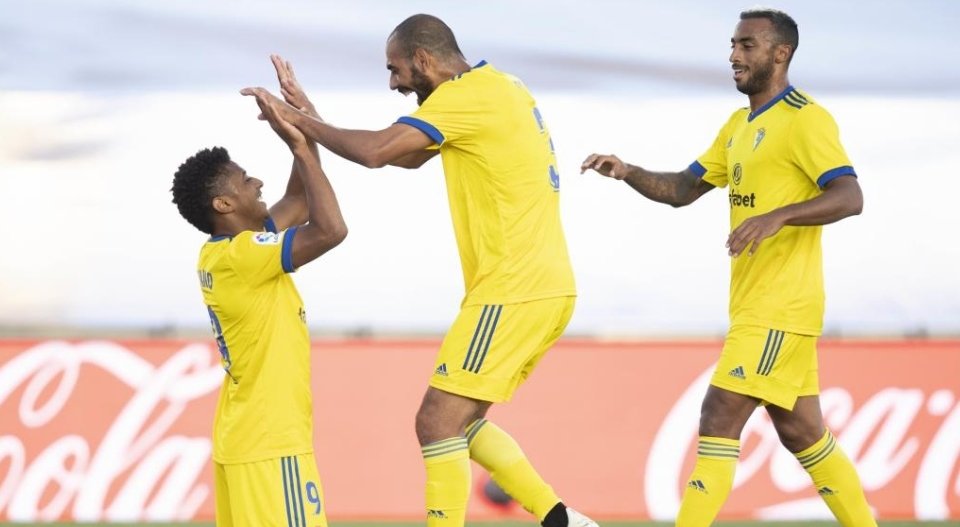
(761, 133)
(266, 238)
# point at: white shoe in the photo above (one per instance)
(575, 519)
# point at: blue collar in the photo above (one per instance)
(771, 102)
(480, 64)
(220, 237)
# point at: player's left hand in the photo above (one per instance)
(753, 231)
(264, 97)
(270, 108)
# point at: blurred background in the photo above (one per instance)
(101, 100)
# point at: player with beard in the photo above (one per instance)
(503, 189)
(788, 176)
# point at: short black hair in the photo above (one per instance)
(429, 33)
(196, 183)
(783, 25)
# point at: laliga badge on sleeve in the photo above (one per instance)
(266, 238)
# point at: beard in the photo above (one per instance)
(420, 85)
(758, 79)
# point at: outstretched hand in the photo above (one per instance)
(753, 231)
(606, 165)
(271, 110)
(290, 87)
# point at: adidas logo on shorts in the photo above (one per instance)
(738, 373)
(441, 369)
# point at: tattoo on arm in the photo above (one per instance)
(673, 188)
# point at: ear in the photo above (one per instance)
(782, 53)
(222, 205)
(422, 58)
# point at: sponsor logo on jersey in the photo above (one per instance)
(266, 238)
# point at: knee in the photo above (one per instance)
(798, 438)
(717, 424)
(436, 421)
(723, 414)
(426, 426)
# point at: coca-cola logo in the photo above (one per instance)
(878, 436)
(104, 431)
(139, 470)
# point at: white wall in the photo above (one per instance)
(93, 240)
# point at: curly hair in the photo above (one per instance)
(196, 183)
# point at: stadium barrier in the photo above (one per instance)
(119, 430)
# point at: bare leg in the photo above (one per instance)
(722, 417)
(834, 476)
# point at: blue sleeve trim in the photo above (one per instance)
(697, 168)
(286, 251)
(424, 127)
(270, 225)
(830, 175)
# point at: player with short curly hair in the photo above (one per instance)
(264, 469)
(196, 183)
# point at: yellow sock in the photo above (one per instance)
(448, 482)
(497, 452)
(837, 482)
(711, 481)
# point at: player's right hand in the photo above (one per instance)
(606, 165)
(269, 112)
(290, 87)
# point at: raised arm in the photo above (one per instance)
(325, 228)
(673, 188)
(372, 149)
(292, 208)
(294, 95)
(414, 159)
(841, 198)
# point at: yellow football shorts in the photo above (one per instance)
(771, 365)
(279, 492)
(491, 349)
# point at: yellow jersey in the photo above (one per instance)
(783, 153)
(502, 184)
(265, 407)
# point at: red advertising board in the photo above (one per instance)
(119, 430)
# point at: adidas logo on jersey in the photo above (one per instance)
(441, 369)
(698, 485)
(738, 373)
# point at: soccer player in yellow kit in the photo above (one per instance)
(264, 469)
(788, 175)
(502, 183)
